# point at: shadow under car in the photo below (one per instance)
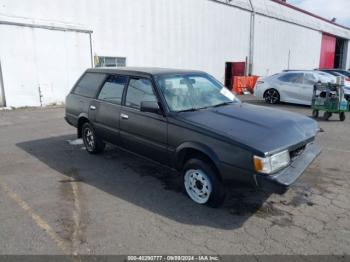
(145, 183)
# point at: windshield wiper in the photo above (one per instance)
(223, 104)
(194, 109)
(205, 107)
(188, 110)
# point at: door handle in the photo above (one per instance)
(93, 107)
(124, 116)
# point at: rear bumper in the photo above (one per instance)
(71, 120)
(280, 181)
(67, 120)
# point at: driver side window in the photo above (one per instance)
(139, 90)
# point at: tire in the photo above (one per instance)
(341, 116)
(272, 96)
(326, 116)
(93, 144)
(315, 113)
(202, 184)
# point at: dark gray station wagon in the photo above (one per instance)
(188, 121)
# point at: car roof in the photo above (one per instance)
(331, 69)
(316, 71)
(141, 70)
(300, 71)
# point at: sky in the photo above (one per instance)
(328, 9)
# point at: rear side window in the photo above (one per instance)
(292, 78)
(89, 84)
(139, 90)
(112, 90)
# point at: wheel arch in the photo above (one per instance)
(82, 119)
(271, 88)
(281, 98)
(190, 150)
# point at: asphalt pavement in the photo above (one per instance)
(55, 198)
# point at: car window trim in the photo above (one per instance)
(100, 89)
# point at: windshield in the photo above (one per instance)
(193, 92)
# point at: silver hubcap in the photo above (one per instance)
(89, 139)
(198, 185)
(271, 96)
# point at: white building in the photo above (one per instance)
(45, 45)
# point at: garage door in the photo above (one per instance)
(327, 51)
(39, 65)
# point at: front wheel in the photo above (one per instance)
(92, 143)
(202, 184)
(272, 96)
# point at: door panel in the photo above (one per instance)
(141, 132)
(290, 87)
(105, 110)
(291, 92)
(144, 133)
(105, 117)
(307, 91)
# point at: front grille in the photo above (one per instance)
(297, 152)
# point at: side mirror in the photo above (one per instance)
(150, 106)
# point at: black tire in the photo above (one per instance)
(93, 144)
(315, 113)
(272, 96)
(341, 116)
(326, 116)
(217, 194)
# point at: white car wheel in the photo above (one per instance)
(198, 185)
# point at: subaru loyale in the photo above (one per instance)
(189, 121)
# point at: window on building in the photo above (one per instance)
(139, 90)
(112, 90)
(89, 84)
(109, 61)
(292, 78)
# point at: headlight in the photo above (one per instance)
(271, 164)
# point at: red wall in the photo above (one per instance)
(327, 51)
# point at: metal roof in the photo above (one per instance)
(291, 14)
(308, 13)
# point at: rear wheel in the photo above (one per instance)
(272, 96)
(202, 184)
(93, 144)
(341, 116)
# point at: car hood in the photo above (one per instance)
(259, 128)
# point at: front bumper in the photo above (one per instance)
(280, 181)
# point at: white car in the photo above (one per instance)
(293, 86)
